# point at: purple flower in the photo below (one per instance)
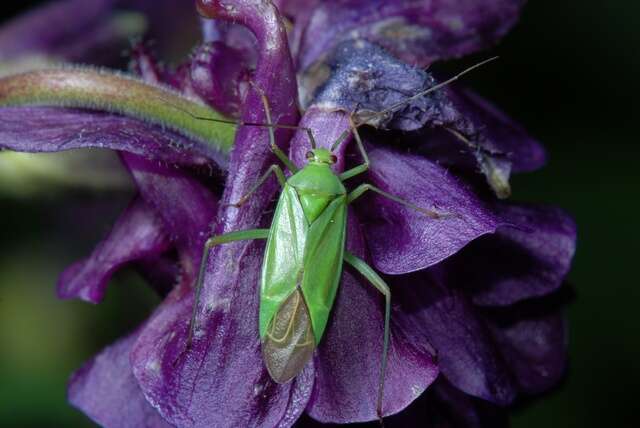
(477, 300)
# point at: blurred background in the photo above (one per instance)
(568, 72)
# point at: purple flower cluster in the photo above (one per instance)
(476, 322)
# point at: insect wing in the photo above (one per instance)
(289, 342)
(323, 257)
(283, 259)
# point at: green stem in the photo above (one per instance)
(103, 90)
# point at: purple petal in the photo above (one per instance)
(504, 145)
(533, 339)
(53, 129)
(517, 263)
(234, 36)
(106, 391)
(160, 272)
(186, 207)
(172, 24)
(294, 8)
(137, 234)
(221, 380)
(417, 32)
(468, 412)
(467, 356)
(364, 77)
(348, 358)
(402, 239)
(216, 73)
(97, 30)
(220, 76)
(33, 32)
(367, 80)
(144, 63)
(502, 134)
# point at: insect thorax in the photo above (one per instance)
(316, 185)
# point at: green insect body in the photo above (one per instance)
(302, 263)
(303, 259)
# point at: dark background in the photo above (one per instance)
(567, 72)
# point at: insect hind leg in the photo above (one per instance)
(241, 235)
(361, 189)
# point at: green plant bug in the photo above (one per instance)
(305, 250)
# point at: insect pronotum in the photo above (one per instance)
(302, 263)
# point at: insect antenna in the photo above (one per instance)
(340, 139)
(242, 123)
(423, 93)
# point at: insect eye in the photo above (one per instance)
(310, 155)
(334, 159)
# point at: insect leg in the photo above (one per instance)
(272, 137)
(273, 169)
(240, 235)
(364, 166)
(371, 275)
(274, 147)
(358, 191)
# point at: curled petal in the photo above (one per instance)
(105, 390)
(533, 338)
(138, 234)
(420, 241)
(466, 354)
(418, 32)
(49, 129)
(348, 358)
(465, 411)
(275, 79)
(186, 207)
(520, 263)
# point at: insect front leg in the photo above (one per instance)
(361, 189)
(273, 169)
(241, 235)
(371, 275)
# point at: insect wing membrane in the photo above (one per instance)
(289, 342)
